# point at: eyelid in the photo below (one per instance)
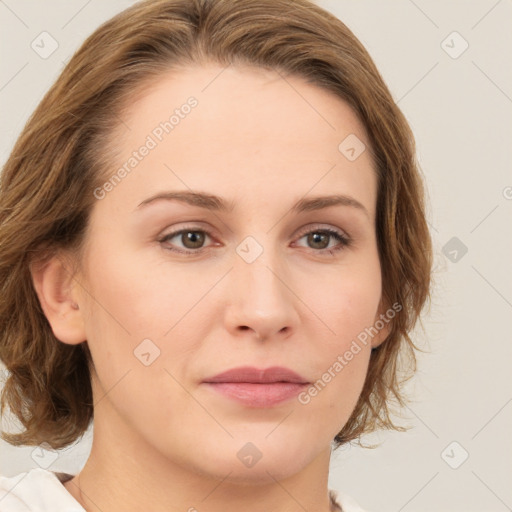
(192, 226)
(181, 229)
(322, 227)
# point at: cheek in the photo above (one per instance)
(130, 309)
(345, 302)
(132, 299)
(345, 299)
(143, 296)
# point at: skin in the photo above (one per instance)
(162, 439)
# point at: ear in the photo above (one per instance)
(383, 321)
(57, 293)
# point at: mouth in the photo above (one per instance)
(253, 387)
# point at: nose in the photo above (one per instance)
(261, 300)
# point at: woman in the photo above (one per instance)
(214, 243)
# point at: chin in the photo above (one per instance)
(257, 462)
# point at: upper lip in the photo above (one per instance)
(253, 375)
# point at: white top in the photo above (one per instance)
(40, 490)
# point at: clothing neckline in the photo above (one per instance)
(63, 477)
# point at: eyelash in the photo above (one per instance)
(343, 240)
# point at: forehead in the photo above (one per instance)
(251, 133)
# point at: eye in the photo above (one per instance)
(192, 240)
(321, 239)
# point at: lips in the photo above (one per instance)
(253, 387)
(252, 375)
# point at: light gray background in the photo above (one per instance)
(460, 110)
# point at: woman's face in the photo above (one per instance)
(246, 268)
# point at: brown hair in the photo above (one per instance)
(60, 158)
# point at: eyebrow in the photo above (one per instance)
(216, 203)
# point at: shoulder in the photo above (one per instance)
(344, 502)
(36, 490)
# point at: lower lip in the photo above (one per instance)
(258, 395)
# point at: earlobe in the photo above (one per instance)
(56, 289)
